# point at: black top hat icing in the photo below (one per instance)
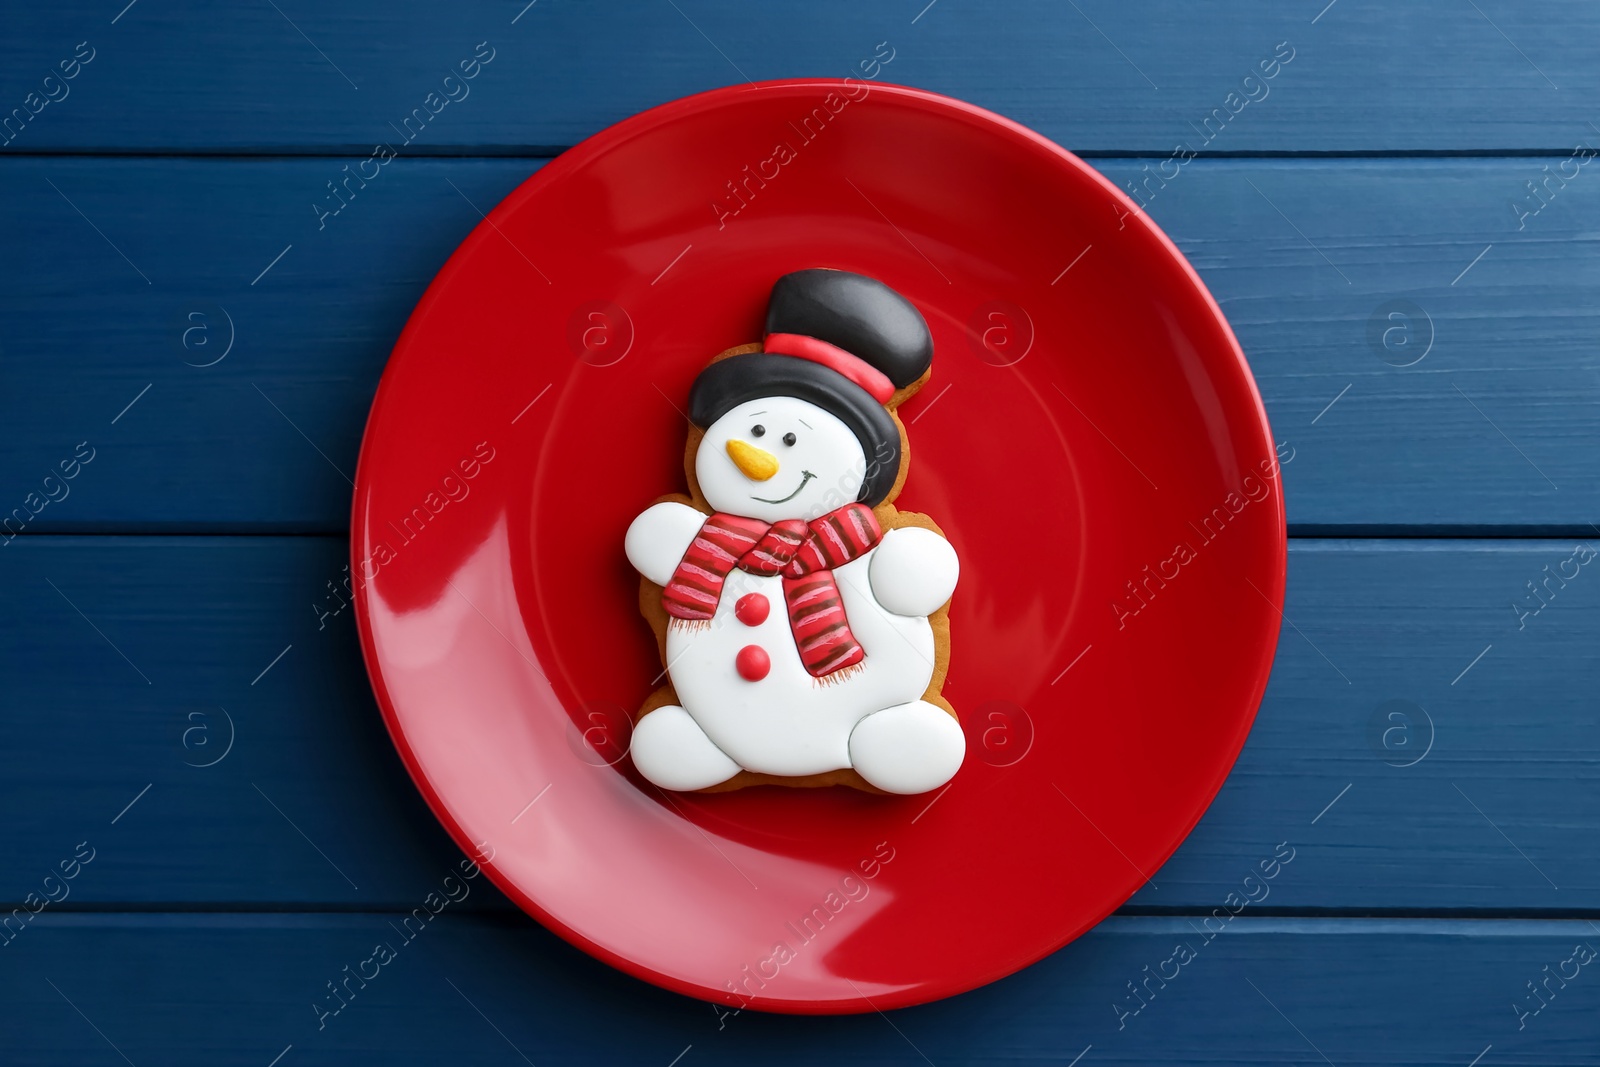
(842, 341)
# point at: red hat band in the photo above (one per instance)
(858, 370)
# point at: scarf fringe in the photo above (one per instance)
(840, 675)
(804, 554)
(832, 678)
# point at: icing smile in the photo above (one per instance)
(791, 496)
(803, 643)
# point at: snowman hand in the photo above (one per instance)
(659, 537)
(913, 571)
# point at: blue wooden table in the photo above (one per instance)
(204, 823)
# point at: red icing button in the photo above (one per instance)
(752, 609)
(752, 660)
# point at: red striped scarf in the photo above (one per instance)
(805, 554)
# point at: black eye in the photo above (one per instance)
(757, 430)
(788, 438)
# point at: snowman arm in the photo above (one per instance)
(913, 571)
(659, 537)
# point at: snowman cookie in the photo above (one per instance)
(802, 619)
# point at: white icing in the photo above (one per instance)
(671, 750)
(914, 571)
(823, 446)
(909, 748)
(789, 723)
(659, 537)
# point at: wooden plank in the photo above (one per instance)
(1429, 732)
(1386, 361)
(1491, 431)
(242, 989)
(1365, 75)
(180, 637)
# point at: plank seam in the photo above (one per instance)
(548, 152)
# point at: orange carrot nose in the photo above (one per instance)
(754, 463)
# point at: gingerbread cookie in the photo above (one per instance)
(803, 620)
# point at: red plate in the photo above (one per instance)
(1091, 442)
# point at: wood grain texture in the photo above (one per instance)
(174, 174)
(239, 989)
(1098, 76)
(1493, 429)
(311, 807)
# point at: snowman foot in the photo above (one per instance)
(671, 750)
(909, 748)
